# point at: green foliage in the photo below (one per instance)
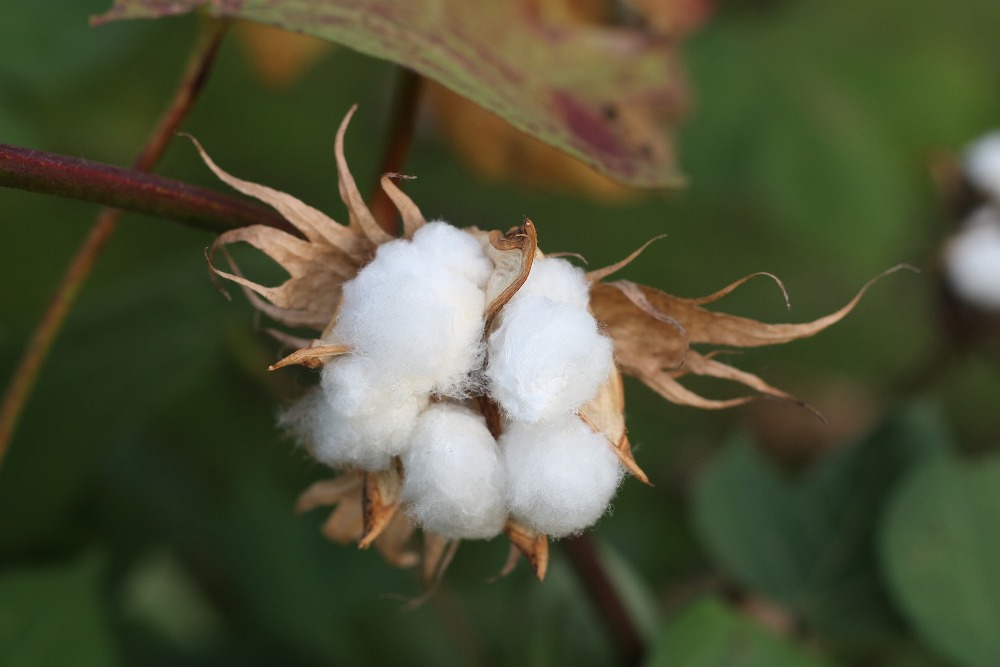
(52, 614)
(809, 543)
(940, 547)
(710, 634)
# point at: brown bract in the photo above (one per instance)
(653, 333)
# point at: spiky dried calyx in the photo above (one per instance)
(346, 281)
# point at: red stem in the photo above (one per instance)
(609, 605)
(119, 187)
(404, 118)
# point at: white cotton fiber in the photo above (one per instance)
(356, 417)
(455, 250)
(972, 260)
(453, 476)
(561, 476)
(414, 318)
(546, 359)
(982, 163)
(557, 280)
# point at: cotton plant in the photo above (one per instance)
(470, 385)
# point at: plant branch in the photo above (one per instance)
(26, 374)
(608, 603)
(129, 189)
(404, 116)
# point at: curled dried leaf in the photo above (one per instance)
(531, 543)
(328, 492)
(652, 332)
(438, 554)
(311, 357)
(380, 501)
(512, 254)
(413, 219)
(605, 414)
(601, 274)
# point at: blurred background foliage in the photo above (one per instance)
(145, 505)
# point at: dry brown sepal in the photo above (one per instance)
(605, 414)
(529, 542)
(314, 356)
(318, 264)
(380, 501)
(653, 333)
(513, 254)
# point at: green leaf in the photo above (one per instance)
(709, 634)
(941, 549)
(809, 543)
(593, 91)
(51, 615)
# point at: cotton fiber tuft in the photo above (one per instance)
(546, 359)
(454, 477)
(561, 476)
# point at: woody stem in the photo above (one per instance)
(404, 116)
(607, 601)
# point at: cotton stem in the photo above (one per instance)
(404, 116)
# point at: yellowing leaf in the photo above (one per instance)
(605, 94)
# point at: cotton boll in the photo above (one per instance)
(456, 250)
(982, 163)
(972, 260)
(558, 280)
(546, 359)
(357, 417)
(561, 476)
(413, 318)
(453, 476)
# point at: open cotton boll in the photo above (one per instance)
(557, 280)
(561, 476)
(972, 260)
(546, 359)
(414, 318)
(982, 163)
(454, 479)
(357, 417)
(456, 250)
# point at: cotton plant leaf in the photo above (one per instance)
(605, 94)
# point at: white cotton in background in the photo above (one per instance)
(453, 475)
(356, 417)
(414, 318)
(558, 280)
(546, 359)
(561, 476)
(455, 250)
(982, 163)
(972, 260)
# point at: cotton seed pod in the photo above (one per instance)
(454, 477)
(561, 475)
(546, 359)
(398, 320)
